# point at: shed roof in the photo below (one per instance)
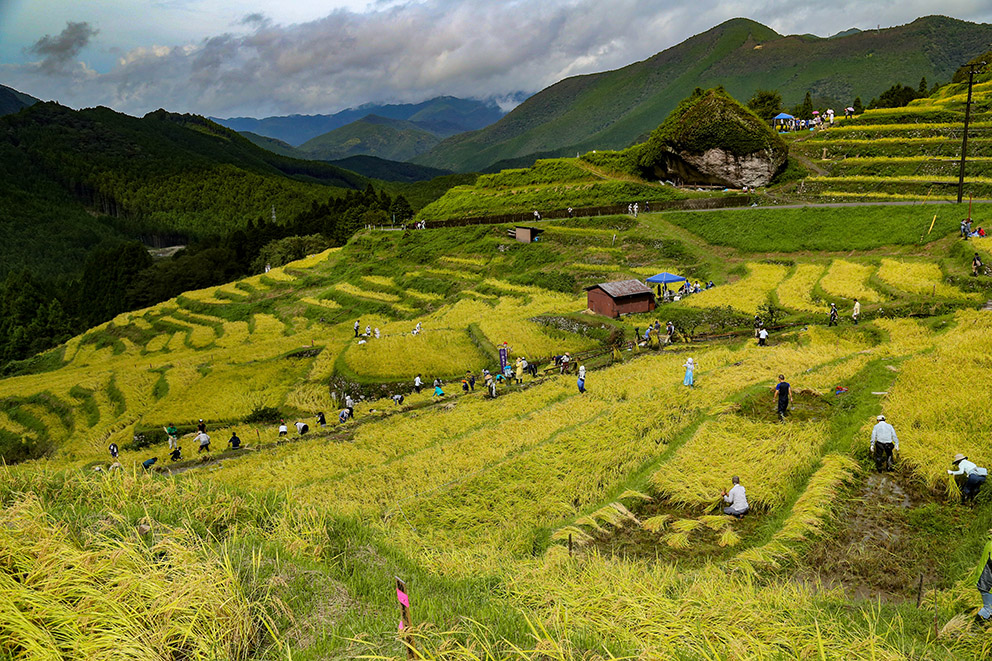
(622, 288)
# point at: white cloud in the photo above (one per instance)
(415, 50)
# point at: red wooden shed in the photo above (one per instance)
(613, 299)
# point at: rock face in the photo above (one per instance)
(723, 168)
(710, 139)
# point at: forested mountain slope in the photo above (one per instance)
(11, 100)
(612, 109)
(71, 178)
(393, 139)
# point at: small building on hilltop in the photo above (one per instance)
(613, 299)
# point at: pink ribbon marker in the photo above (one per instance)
(401, 625)
(403, 599)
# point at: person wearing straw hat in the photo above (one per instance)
(883, 442)
(970, 477)
(985, 583)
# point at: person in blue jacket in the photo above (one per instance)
(985, 583)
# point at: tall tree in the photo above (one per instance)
(765, 104)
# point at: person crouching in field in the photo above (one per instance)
(283, 429)
(883, 442)
(736, 499)
(302, 428)
(970, 477)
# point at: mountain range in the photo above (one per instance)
(441, 116)
(612, 109)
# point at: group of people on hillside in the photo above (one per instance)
(968, 233)
(969, 477)
(635, 208)
(833, 314)
(653, 335)
(199, 437)
(667, 295)
(368, 334)
(819, 120)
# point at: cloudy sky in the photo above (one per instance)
(268, 57)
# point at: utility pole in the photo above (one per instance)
(972, 70)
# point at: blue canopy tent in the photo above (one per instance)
(665, 278)
(783, 115)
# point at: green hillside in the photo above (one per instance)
(391, 139)
(272, 144)
(164, 171)
(611, 110)
(545, 523)
(386, 170)
(12, 101)
(96, 173)
(705, 120)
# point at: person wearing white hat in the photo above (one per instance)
(883, 442)
(690, 367)
(970, 477)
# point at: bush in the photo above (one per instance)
(708, 120)
(263, 415)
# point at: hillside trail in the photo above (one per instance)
(334, 434)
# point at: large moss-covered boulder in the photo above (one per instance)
(710, 139)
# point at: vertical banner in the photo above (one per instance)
(502, 358)
(404, 599)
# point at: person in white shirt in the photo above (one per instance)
(971, 477)
(349, 404)
(204, 442)
(736, 500)
(283, 429)
(356, 328)
(856, 312)
(883, 442)
(302, 427)
(418, 383)
(582, 372)
(762, 337)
